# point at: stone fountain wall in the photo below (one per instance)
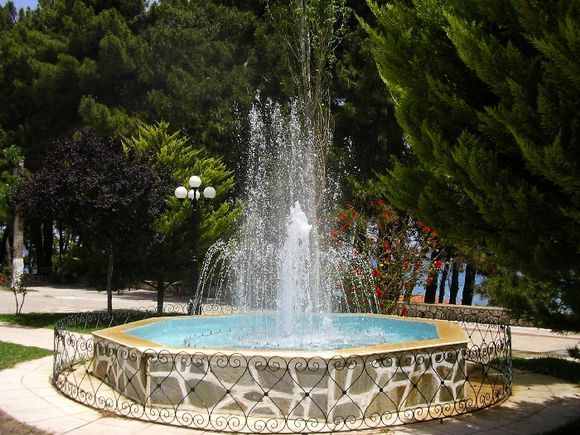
(329, 389)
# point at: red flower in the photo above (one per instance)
(417, 265)
(427, 229)
(344, 226)
(342, 216)
(438, 264)
(379, 292)
(387, 247)
(386, 214)
(358, 271)
(376, 273)
(353, 213)
(2, 278)
(420, 223)
(429, 280)
(380, 202)
(334, 234)
(404, 311)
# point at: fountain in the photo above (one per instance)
(277, 356)
(274, 350)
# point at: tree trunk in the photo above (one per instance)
(444, 274)
(35, 255)
(47, 241)
(469, 285)
(17, 251)
(454, 288)
(160, 287)
(60, 241)
(431, 289)
(110, 269)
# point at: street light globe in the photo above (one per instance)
(192, 193)
(194, 181)
(209, 192)
(181, 192)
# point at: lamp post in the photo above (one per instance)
(194, 195)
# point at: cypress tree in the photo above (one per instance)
(488, 95)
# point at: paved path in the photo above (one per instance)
(539, 403)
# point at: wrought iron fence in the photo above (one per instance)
(282, 393)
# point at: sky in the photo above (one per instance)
(22, 4)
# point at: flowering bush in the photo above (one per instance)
(383, 255)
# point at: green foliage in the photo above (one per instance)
(195, 64)
(8, 15)
(486, 95)
(539, 302)
(61, 55)
(91, 188)
(366, 134)
(574, 352)
(172, 154)
(13, 354)
(195, 69)
(10, 159)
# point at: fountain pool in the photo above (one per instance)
(253, 332)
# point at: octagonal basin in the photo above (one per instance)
(345, 381)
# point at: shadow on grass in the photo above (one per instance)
(568, 371)
(33, 320)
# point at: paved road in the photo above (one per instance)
(66, 299)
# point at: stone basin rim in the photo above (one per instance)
(450, 334)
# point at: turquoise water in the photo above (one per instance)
(261, 331)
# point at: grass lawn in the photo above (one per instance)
(11, 354)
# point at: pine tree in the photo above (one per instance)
(488, 95)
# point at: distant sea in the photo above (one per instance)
(477, 299)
